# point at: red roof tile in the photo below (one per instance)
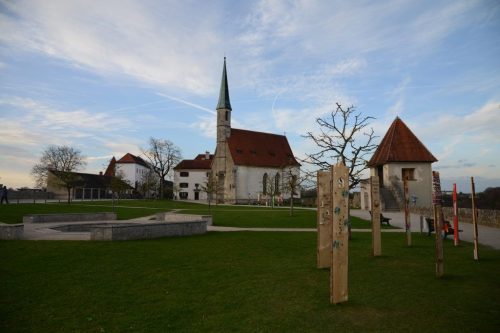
(199, 162)
(129, 158)
(400, 145)
(260, 149)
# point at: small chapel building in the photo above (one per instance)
(247, 166)
(400, 155)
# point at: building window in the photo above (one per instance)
(227, 115)
(183, 185)
(183, 195)
(184, 174)
(408, 173)
(264, 184)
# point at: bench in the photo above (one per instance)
(447, 228)
(383, 219)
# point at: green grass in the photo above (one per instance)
(230, 216)
(244, 281)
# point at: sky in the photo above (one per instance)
(105, 76)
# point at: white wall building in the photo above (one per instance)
(400, 155)
(191, 176)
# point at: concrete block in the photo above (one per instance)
(11, 231)
(70, 217)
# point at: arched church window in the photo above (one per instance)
(264, 184)
(227, 115)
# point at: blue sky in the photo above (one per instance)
(104, 76)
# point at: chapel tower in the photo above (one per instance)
(220, 167)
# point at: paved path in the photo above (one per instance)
(486, 235)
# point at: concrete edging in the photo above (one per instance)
(69, 217)
(11, 231)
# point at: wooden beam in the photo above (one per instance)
(375, 206)
(324, 219)
(474, 219)
(438, 215)
(407, 212)
(340, 238)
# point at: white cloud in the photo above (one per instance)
(163, 44)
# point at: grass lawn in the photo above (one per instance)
(230, 216)
(244, 281)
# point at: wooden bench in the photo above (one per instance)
(447, 228)
(383, 219)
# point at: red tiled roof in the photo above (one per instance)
(129, 158)
(260, 149)
(199, 162)
(400, 145)
(110, 170)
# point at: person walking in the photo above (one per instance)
(5, 192)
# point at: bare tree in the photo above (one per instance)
(148, 184)
(292, 184)
(344, 136)
(211, 188)
(64, 159)
(163, 155)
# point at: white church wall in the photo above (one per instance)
(249, 182)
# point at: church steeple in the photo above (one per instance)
(224, 102)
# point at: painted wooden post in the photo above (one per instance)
(407, 212)
(375, 204)
(340, 239)
(438, 215)
(324, 219)
(474, 219)
(455, 216)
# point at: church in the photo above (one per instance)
(247, 166)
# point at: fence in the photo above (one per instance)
(488, 217)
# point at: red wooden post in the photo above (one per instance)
(455, 215)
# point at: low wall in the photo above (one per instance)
(70, 217)
(487, 217)
(173, 217)
(147, 231)
(11, 231)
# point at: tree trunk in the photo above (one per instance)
(69, 195)
(291, 204)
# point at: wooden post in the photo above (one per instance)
(474, 219)
(421, 223)
(407, 212)
(455, 216)
(438, 214)
(324, 219)
(375, 206)
(340, 239)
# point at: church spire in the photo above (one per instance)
(224, 102)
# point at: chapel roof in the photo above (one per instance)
(400, 145)
(200, 162)
(260, 149)
(224, 102)
(110, 170)
(129, 158)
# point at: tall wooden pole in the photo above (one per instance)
(455, 216)
(340, 239)
(438, 215)
(407, 212)
(474, 219)
(324, 219)
(375, 207)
